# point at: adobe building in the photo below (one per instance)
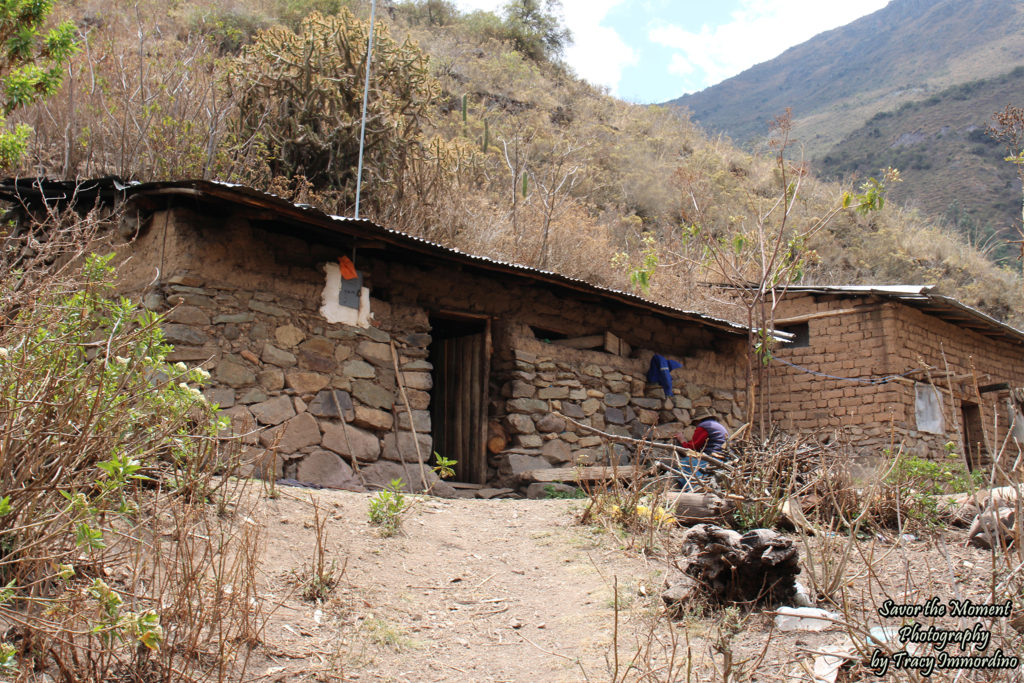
(898, 364)
(346, 352)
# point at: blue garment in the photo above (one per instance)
(660, 372)
(717, 435)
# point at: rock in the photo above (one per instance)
(420, 420)
(275, 356)
(517, 463)
(540, 490)
(488, 493)
(328, 469)
(572, 410)
(234, 374)
(261, 463)
(403, 448)
(152, 301)
(418, 400)
(590, 406)
(289, 336)
(317, 354)
(529, 441)
(372, 394)
(222, 396)
(377, 420)
(527, 405)
(242, 425)
(557, 452)
(647, 417)
(418, 380)
(380, 474)
(351, 442)
(305, 382)
(668, 430)
(592, 371)
(550, 423)
(233, 319)
(993, 528)
(252, 395)
(273, 412)
(679, 593)
(358, 369)
(520, 424)
(616, 400)
(647, 403)
(375, 334)
(418, 364)
(295, 434)
(682, 402)
(333, 403)
(269, 309)
(614, 416)
(184, 334)
(520, 389)
(342, 353)
(375, 352)
(553, 392)
(189, 315)
(271, 379)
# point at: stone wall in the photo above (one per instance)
(323, 399)
(595, 389)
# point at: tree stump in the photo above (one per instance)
(757, 568)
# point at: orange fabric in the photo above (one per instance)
(348, 269)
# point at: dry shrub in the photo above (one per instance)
(123, 554)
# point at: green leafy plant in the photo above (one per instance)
(444, 467)
(919, 482)
(551, 492)
(387, 508)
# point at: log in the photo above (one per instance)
(497, 438)
(569, 474)
(613, 344)
(697, 506)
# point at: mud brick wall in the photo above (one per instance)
(596, 389)
(888, 338)
(244, 301)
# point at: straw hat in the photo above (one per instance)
(703, 414)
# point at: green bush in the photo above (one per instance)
(105, 446)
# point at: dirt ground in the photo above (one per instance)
(517, 590)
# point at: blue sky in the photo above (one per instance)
(656, 50)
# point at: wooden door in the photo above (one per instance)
(974, 436)
(460, 353)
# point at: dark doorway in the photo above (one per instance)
(974, 436)
(461, 355)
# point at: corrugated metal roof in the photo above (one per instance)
(86, 192)
(922, 297)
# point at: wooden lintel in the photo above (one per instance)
(998, 386)
(591, 341)
(796, 319)
(462, 314)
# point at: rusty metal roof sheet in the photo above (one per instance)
(33, 191)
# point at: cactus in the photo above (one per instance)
(487, 135)
(524, 184)
(464, 117)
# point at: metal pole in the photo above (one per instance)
(366, 96)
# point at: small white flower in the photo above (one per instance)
(184, 386)
(203, 373)
(3, 353)
(120, 360)
(180, 367)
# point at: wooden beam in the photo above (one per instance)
(591, 341)
(796, 319)
(999, 386)
(574, 474)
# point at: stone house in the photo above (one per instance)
(345, 351)
(898, 364)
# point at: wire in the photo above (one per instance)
(875, 380)
(366, 96)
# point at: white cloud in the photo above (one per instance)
(598, 54)
(756, 32)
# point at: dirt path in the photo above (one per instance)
(502, 590)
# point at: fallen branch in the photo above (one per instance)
(653, 444)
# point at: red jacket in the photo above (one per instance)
(700, 437)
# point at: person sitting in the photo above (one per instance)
(709, 436)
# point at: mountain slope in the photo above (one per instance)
(839, 79)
